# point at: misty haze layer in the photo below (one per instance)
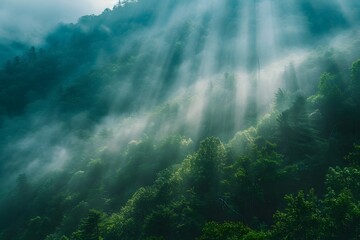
(212, 66)
(26, 23)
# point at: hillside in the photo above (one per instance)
(162, 119)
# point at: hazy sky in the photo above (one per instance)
(28, 20)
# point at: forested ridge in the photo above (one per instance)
(138, 124)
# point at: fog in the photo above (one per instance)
(252, 45)
(30, 20)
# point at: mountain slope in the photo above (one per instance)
(185, 119)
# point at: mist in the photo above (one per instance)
(102, 89)
(30, 21)
(252, 51)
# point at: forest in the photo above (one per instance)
(192, 119)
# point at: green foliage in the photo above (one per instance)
(329, 87)
(297, 136)
(124, 225)
(355, 69)
(348, 178)
(224, 231)
(37, 228)
(282, 100)
(355, 82)
(254, 181)
(89, 228)
(243, 142)
(208, 164)
(342, 213)
(56, 237)
(336, 216)
(301, 218)
(353, 158)
(230, 231)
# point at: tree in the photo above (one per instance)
(300, 220)
(223, 231)
(291, 83)
(355, 81)
(296, 135)
(353, 158)
(355, 97)
(89, 228)
(38, 228)
(330, 103)
(208, 164)
(329, 87)
(342, 202)
(254, 183)
(31, 54)
(230, 231)
(281, 102)
(342, 214)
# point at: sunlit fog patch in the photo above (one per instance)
(193, 114)
(267, 31)
(241, 40)
(60, 157)
(117, 132)
(55, 159)
(37, 152)
(346, 42)
(271, 76)
(243, 83)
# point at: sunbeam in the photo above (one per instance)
(169, 119)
